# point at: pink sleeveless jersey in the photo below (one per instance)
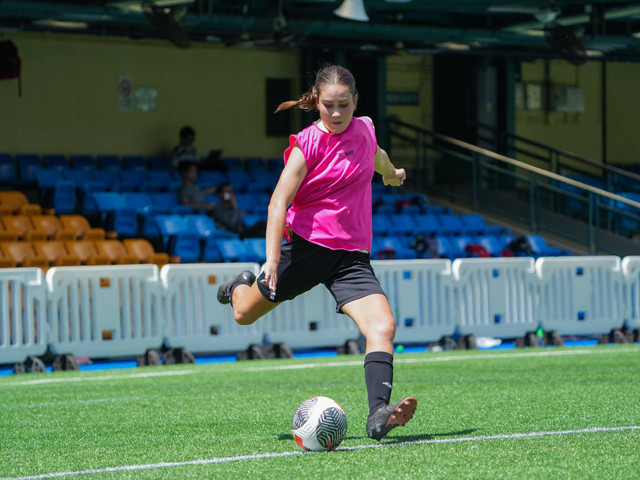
(332, 208)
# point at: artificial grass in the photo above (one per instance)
(234, 418)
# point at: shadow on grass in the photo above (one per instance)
(400, 439)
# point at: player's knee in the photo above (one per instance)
(385, 330)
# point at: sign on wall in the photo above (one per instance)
(125, 93)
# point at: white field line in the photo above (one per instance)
(101, 378)
(74, 402)
(436, 358)
(209, 461)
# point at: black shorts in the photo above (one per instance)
(303, 265)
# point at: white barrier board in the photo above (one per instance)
(495, 297)
(420, 294)
(631, 278)
(580, 295)
(23, 327)
(195, 320)
(104, 311)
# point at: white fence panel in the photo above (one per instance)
(309, 321)
(195, 320)
(23, 327)
(580, 295)
(420, 294)
(104, 311)
(495, 296)
(631, 275)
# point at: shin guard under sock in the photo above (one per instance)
(378, 376)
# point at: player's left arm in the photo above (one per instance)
(390, 174)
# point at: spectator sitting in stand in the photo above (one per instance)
(185, 151)
(226, 214)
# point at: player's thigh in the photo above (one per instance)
(250, 305)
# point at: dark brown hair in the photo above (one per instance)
(329, 75)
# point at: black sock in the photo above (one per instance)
(378, 375)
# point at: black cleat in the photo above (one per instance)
(386, 418)
(226, 289)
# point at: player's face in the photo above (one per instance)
(336, 105)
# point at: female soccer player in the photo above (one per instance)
(327, 181)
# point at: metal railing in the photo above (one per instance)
(543, 200)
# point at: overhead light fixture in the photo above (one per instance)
(352, 10)
(61, 24)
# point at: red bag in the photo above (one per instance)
(476, 250)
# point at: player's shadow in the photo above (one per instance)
(403, 438)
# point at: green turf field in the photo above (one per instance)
(530, 413)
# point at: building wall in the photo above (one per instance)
(69, 100)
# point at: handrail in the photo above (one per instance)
(560, 151)
(518, 163)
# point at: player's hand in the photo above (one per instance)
(271, 277)
(396, 179)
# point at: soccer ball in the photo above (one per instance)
(319, 424)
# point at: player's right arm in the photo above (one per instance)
(290, 180)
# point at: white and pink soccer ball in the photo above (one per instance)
(319, 424)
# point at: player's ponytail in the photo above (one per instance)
(307, 102)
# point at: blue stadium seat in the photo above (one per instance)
(428, 224)
(475, 224)
(130, 180)
(109, 162)
(177, 239)
(492, 243)
(392, 248)
(168, 202)
(110, 178)
(115, 215)
(134, 162)
(380, 223)
(275, 165)
(234, 164)
(255, 164)
(85, 186)
(55, 191)
(450, 224)
(627, 225)
(541, 249)
(446, 249)
(212, 178)
(233, 250)
(8, 172)
(145, 211)
(85, 162)
(162, 179)
(239, 180)
(159, 162)
(256, 249)
(55, 161)
(403, 224)
(208, 234)
(27, 164)
(460, 243)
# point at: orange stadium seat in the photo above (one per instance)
(23, 254)
(6, 262)
(144, 251)
(117, 253)
(53, 227)
(14, 202)
(81, 226)
(22, 227)
(86, 251)
(56, 253)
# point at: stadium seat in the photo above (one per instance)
(82, 228)
(627, 225)
(392, 247)
(256, 249)
(163, 179)
(540, 247)
(208, 234)
(275, 165)
(159, 162)
(116, 252)
(109, 162)
(427, 224)
(84, 162)
(5, 261)
(15, 202)
(212, 178)
(52, 226)
(475, 224)
(234, 164)
(86, 251)
(56, 192)
(446, 249)
(8, 172)
(380, 224)
(255, 164)
(23, 254)
(450, 224)
(239, 180)
(177, 239)
(144, 251)
(85, 187)
(168, 202)
(27, 163)
(403, 224)
(130, 181)
(55, 161)
(233, 250)
(134, 162)
(56, 253)
(116, 216)
(7, 235)
(22, 227)
(492, 243)
(460, 243)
